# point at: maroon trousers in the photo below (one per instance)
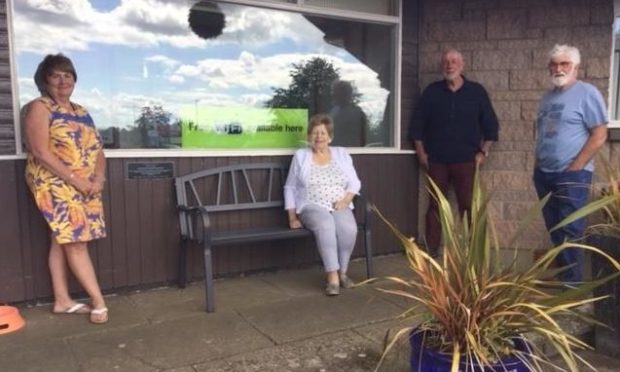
(461, 177)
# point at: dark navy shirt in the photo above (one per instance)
(452, 125)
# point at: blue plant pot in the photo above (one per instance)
(424, 359)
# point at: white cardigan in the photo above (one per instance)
(295, 192)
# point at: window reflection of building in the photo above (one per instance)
(357, 45)
(350, 122)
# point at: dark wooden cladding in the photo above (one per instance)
(141, 249)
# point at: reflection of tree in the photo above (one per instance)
(310, 88)
(155, 127)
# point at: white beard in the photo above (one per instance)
(559, 80)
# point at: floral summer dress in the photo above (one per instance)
(71, 216)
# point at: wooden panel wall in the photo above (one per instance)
(141, 249)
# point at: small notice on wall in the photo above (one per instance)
(150, 170)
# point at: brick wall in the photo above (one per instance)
(505, 45)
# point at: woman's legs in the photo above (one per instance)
(82, 267)
(346, 233)
(58, 271)
(320, 222)
(335, 234)
(76, 256)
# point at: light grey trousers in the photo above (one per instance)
(334, 232)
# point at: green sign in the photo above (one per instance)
(242, 127)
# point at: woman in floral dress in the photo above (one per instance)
(66, 173)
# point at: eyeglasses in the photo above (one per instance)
(563, 64)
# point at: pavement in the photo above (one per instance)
(278, 321)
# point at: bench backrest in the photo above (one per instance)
(231, 188)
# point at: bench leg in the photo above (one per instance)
(368, 248)
(209, 290)
(182, 279)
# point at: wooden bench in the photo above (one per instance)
(240, 189)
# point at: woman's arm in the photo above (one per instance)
(36, 127)
(293, 220)
(99, 179)
(353, 182)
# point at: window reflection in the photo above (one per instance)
(150, 75)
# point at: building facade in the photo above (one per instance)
(504, 44)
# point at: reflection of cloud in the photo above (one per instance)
(251, 72)
(163, 60)
(44, 26)
(255, 26)
(176, 79)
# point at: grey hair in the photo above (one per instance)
(569, 50)
(450, 51)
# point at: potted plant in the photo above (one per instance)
(471, 313)
(606, 237)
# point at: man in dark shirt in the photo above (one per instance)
(452, 129)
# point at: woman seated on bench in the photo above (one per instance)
(318, 195)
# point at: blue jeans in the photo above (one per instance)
(569, 192)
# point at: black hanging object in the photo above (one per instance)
(206, 19)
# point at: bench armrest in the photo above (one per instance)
(194, 217)
(365, 209)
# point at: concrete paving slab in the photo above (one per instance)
(298, 283)
(270, 322)
(340, 351)
(44, 356)
(392, 265)
(42, 324)
(160, 304)
(238, 294)
(172, 343)
(299, 318)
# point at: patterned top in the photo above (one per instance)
(326, 184)
(73, 138)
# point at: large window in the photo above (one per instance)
(205, 74)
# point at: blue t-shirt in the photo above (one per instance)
(565, 118)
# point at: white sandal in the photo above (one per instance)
(102, 313)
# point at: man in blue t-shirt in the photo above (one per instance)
(452, 129)
(571, 127)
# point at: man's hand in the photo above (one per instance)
(421, 153)
(423, 159)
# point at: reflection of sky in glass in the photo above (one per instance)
(142, 52)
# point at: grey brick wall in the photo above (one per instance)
(505, 43)
(7, 128)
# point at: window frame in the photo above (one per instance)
(299, 7)
(614, 75)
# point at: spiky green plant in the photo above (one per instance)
(473, 306)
